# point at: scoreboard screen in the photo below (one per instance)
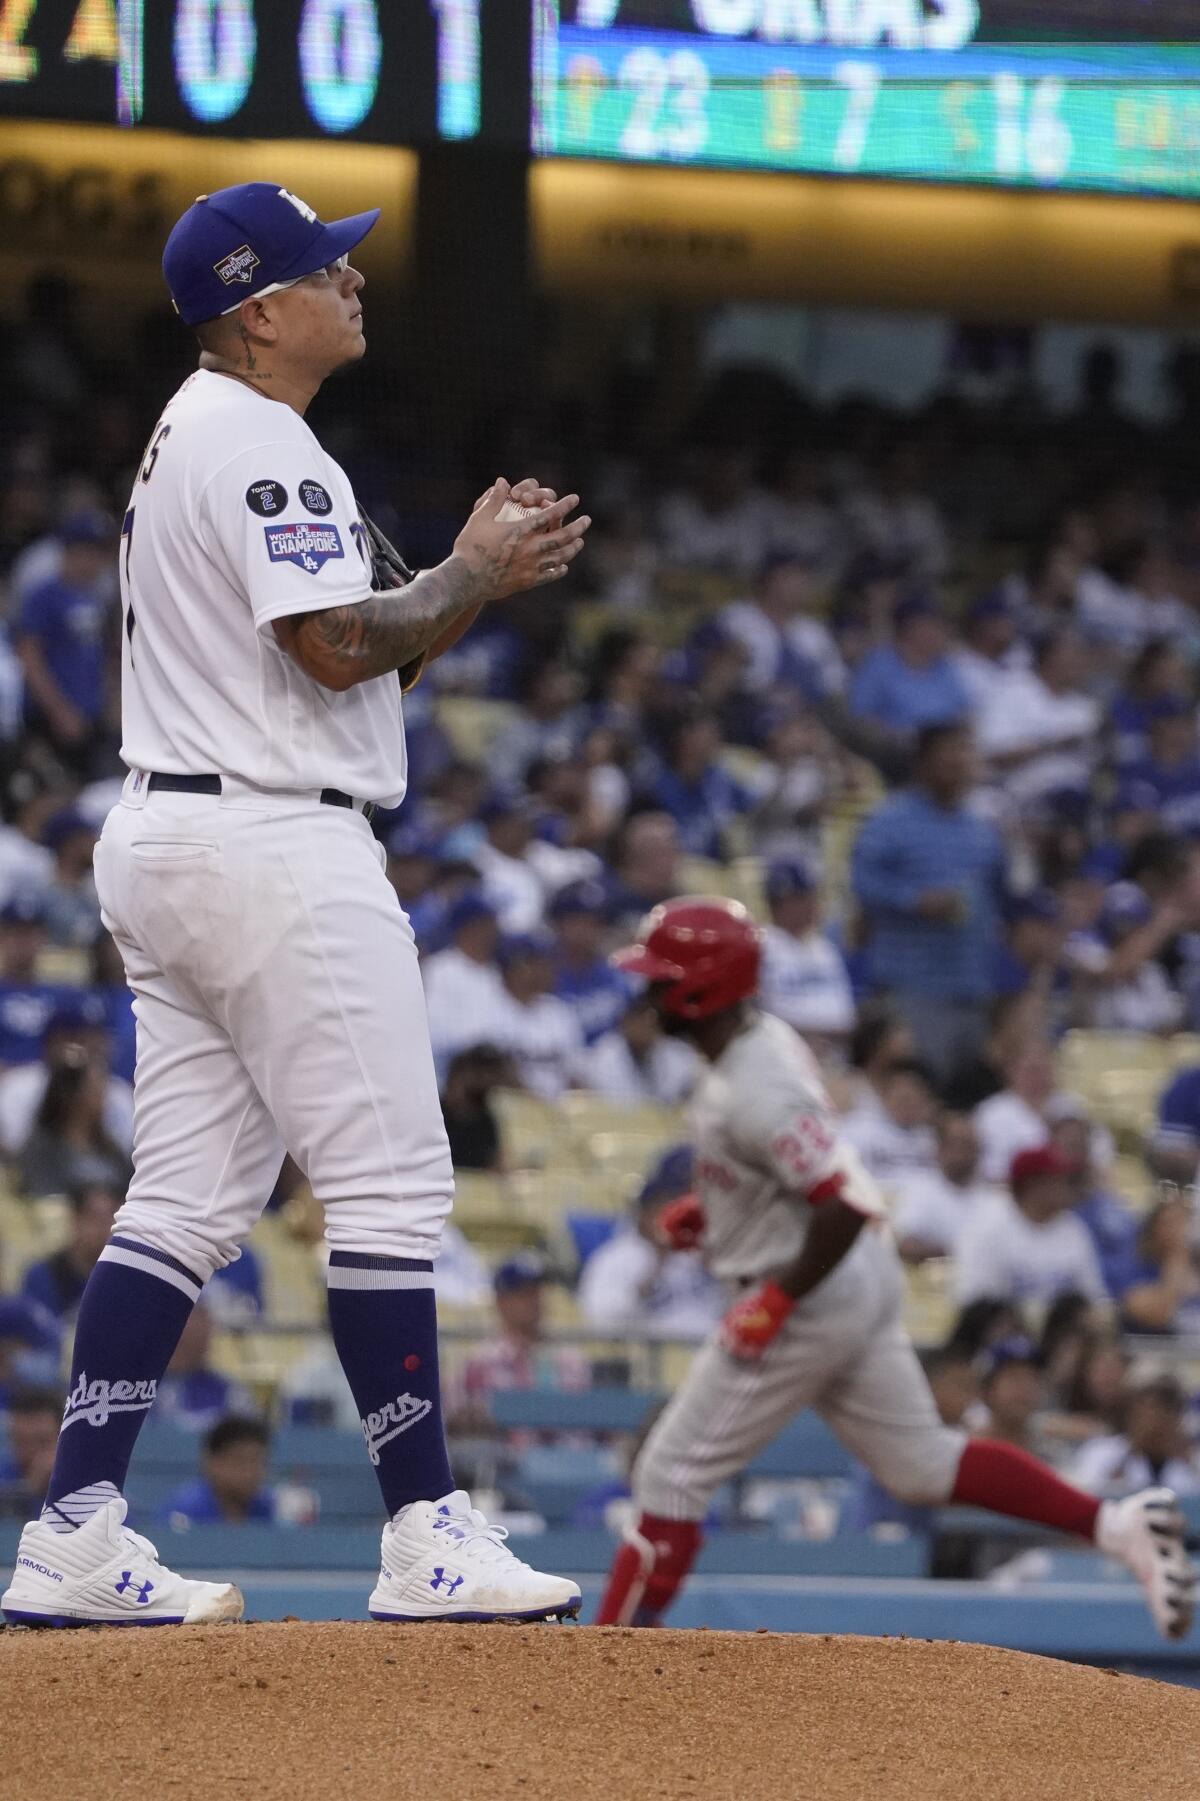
(1086, 94)
(383, 71)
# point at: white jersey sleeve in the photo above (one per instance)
(289, 534)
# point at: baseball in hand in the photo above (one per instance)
(510, 512)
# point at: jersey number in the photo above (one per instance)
(160, 438)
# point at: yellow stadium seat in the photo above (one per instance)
(745, 879)
(700, 875)
(472, 724)
(1088, 1054)
(64, 963)
(532, 1132)
(1133, 1182)
(293, 1274)
(929, 1305)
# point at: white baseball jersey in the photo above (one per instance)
(765, 1134)
(237, 518)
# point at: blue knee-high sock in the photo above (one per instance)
(384, 1322)
(134, 1307)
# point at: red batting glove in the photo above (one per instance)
(753, 1322)
(682, 1223)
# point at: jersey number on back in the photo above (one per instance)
(160, 437)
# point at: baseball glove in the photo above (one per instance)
(389, 570)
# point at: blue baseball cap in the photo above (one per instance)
(518, 945)
(584, 896)
(995, 604)
(1003, 1354)
(1133, 795)
(469, 907)
(411, 840)
(1124, 907)
(672, 1175)
(787, 876)
(26, 908)
(27, 1324)
(1038, 903)
(63, 825)
(1170, 706)
(242, 240)
(521, 1271)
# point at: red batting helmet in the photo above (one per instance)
(705, 951)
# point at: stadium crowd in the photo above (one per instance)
(923, 690)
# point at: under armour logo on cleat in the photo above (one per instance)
(441, 1580)
(128, 1585)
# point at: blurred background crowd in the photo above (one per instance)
(918, 686)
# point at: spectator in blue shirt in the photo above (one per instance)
(1033, 942)
(1171, 766)
(692, 786)
(1113, 1228)
(59, 637)
(56, 1284)
(72, 909)
(29, 1347)
(1162, 1291)
(413, 864)
(27, 1457)
(231, 1489)
(929, 876)
(192, 1394)
(643, 865)
(912, 682)
(1174, 1149)
(26, 1005)
(112, 991)
(1158, 670)
(596, 993)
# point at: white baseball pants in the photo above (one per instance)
(278, 1005)
(843, 1352)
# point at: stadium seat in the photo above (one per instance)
(555, 1479)
(807, 1448)
(1184, 1050)
(556, 1410)
(472, 724)
(532, 1132)
(700, 875)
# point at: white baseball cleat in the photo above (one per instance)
(105, 1575)
(444, 1562)
(1146, 1532)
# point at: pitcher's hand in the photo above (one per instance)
(511, 556)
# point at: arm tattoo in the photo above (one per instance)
(385, 631)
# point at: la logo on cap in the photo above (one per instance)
(305, 212)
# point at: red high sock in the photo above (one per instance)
(647, 1570)
(1009, 1480)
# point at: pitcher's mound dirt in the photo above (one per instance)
(293, 1712)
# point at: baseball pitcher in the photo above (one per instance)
(277, 996)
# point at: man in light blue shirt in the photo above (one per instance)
(929, 876)
(912, 682)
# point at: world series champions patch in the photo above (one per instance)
(310, 547)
